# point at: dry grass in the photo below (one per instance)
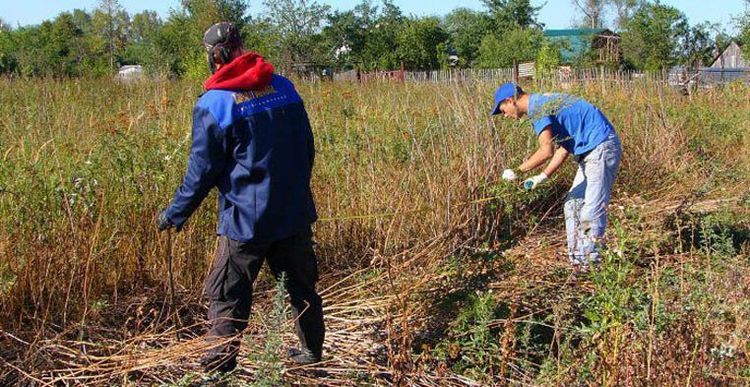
(413, 223)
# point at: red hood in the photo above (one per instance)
(247, 72)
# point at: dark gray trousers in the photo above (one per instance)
(229, 289)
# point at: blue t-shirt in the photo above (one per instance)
(577, 125)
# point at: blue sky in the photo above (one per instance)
(555, 14)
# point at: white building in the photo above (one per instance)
(129, 73)
(342, 52)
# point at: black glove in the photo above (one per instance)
(162, 222)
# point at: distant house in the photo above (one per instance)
(576, 43)
(730, 58)
(342, 52)
(129, 73)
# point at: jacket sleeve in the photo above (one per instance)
(206, 163)
(310, 141)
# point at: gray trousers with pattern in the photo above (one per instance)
(586, 204)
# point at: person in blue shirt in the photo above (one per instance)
(252, 141)
(565, 125)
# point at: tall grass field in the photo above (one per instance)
(433, 271)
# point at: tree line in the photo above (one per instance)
(370, 36)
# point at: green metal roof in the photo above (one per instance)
(574, 32)
(577, 41)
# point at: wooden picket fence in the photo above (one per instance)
(460, 75)
(564, 76)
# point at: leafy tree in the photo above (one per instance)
(53, 48)
(743, 22)
(143, 34)
(517, 34)
(297, 23)
(466, 29)
(624, 9)
(65, 45)
(593, 12)
(652, 39)
(27, 42)
(178, 43)
(379, 51)
(422, 44)
(390, 12)
(143, 26)
(95, 50)
(261, 36)
(349, 30)
(110, 22)
(235, 11)
(344, 36)
(548, 59)
(366, 13)
(204, 13)
(82, 20)
(515, 45)
(510, 14)
(699, 44)
(368, 35)
(7, 49)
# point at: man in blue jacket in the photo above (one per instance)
(576, 127)
(252, 141)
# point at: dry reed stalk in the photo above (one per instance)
(375, 157)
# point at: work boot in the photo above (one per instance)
(214, 364)
(303, 357)
(222, 358)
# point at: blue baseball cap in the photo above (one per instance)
(507, 90)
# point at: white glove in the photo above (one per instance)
(509, 175)
(534, 181)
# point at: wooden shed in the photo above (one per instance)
(730, 58)
(576, 43)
